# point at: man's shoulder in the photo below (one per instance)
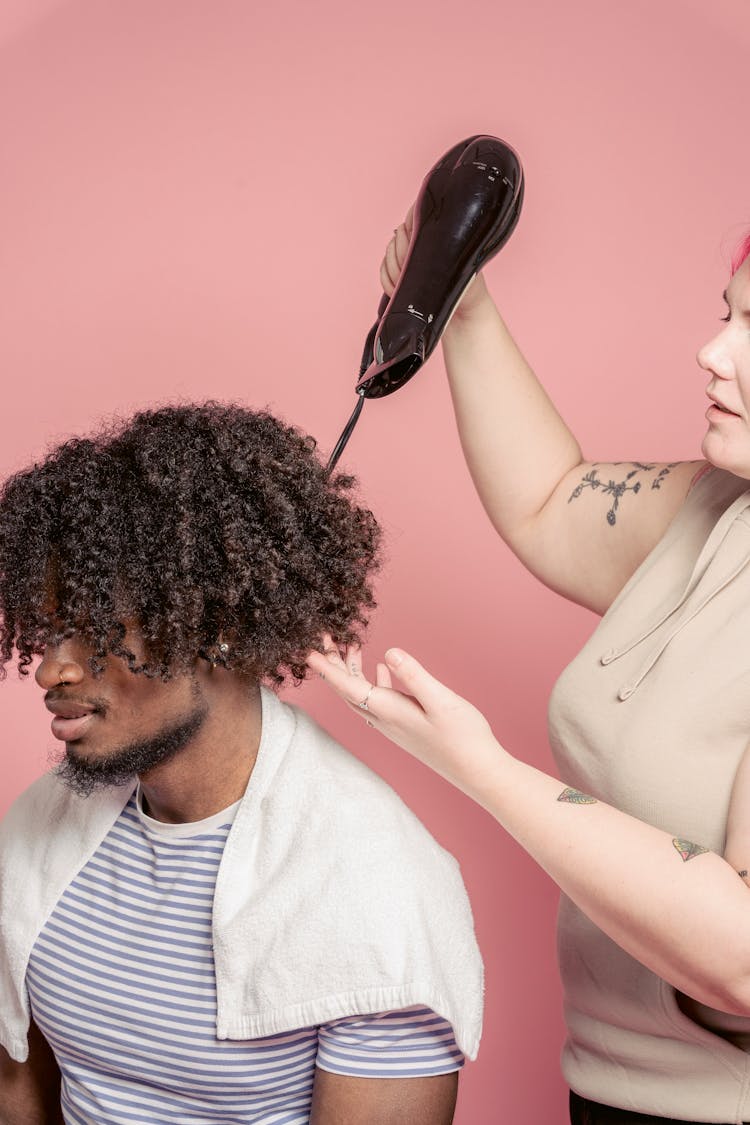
(37, 799)
(47, 810)
(29, 825)
(333, 769)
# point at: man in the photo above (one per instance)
(210, 911)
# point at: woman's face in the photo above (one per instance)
(726, 358)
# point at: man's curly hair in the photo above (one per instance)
(197, 523)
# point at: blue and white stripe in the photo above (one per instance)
(121, 981)
(411, 1043)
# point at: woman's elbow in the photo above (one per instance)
(727, 993)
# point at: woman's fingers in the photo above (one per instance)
(400, 244)
(385, 281)
(372, 701)
(353, 659)
(383, 676)
(345, 676)
(391, 263)
(396, 253)
(428, 691)
(331, 649)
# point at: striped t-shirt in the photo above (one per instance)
(121, 982)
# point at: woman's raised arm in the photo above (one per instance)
(581, 527)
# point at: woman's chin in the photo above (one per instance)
(726, 455)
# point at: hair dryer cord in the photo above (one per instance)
(348, 429)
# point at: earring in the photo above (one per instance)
(216, 655)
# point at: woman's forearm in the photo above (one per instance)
(681, 910)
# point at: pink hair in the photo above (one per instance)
(742, 252)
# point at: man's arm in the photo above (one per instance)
(341, 1100)
(386, 1068)
(30, 1091)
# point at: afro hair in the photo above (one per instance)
(197, 522)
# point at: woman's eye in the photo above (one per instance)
(726, 318)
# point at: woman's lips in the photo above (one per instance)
(716, 411)
(68, 730)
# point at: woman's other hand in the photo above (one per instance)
(395, 256)
(429, 720)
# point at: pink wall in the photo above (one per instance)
(195, 197)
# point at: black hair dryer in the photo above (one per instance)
(467, 207)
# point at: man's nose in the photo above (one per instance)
(59, 665)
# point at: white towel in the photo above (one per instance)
(332, 899)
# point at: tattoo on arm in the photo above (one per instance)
(575, 797)
(687, 849)
(617, 489)
(657, 481)
(742, 874)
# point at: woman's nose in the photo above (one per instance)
(715, 357)
(59, 665)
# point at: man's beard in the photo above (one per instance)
(84, 775)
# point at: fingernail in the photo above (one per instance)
(394, 657)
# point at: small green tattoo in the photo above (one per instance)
(687, 849)
(575, 797)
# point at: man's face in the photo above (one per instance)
(118, 724)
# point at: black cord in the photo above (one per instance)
(367, 358)
(339, 448)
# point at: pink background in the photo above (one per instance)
(194, 200)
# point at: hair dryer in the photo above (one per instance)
(467, 208)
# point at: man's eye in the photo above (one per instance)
(726, 318)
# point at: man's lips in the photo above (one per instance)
(71, 719)
(68, 708)
(68, 730)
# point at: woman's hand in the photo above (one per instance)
(429, 720)
(686, 921)
(395, 253)
(393, 263)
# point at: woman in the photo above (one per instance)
(648, 834)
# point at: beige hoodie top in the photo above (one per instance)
(653, 716)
